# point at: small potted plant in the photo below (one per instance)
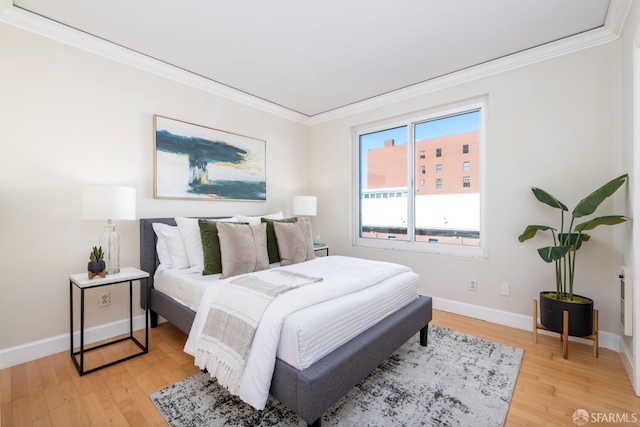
(563, 255)
(96, 264)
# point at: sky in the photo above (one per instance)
(460, 123)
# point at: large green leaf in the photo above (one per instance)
(548, 199)
(601, 220)
(531, 231)
(589, 204)
(553, 253)
(574, 239)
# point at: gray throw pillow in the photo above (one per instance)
(272, 242)
(295, 241)
(243, 248)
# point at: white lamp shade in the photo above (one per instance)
(304, 205)
(101, 202)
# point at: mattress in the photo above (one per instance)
(312, 333)
(185, 286)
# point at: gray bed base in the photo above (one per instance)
(308, 393)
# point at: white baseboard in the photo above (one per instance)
(627, 361)
(48, 346)
(519, 321)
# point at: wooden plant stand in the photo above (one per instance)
(102, 274)
(564, 336)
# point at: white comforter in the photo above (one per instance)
(341, 276)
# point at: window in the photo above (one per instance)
(415, 210)
(465, 149)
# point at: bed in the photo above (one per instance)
(313, 390)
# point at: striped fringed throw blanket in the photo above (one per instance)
(233, 318)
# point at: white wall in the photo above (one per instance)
(70, 118)
(630, 158)
(550, 125)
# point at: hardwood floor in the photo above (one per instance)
(49, 392)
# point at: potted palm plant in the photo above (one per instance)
(563, 255)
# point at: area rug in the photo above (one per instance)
(457, 380)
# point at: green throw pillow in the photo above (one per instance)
(272, 243)
(210, 247)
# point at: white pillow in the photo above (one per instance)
(190, 232)
(177, 251)
(254, 220)
(162, 248)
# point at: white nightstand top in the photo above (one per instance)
(127, 273)
(320, 246)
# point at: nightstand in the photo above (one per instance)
(317, 247)
(82, 282)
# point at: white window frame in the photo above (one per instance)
(480, 251)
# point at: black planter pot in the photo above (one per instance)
(580, 315)
(96, 267)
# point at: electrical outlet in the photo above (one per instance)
(105, 299)
(504, 289)
(473, 285)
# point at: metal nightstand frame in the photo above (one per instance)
(108, 281)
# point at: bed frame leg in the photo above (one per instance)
(153, 319)
(316, 423)
(424, 335)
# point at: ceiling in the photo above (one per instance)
(315, 56)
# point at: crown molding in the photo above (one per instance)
(45, 27)
(617, 15)
(612, 29)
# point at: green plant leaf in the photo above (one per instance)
(601, 220)
(548, 199)
(589, 204)
(553, 253)
(575, 240)
(531, 231)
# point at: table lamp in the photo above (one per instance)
(304, 205)
(109, 202)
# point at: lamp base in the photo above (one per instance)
(110, 242)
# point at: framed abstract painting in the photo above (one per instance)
(201, 163)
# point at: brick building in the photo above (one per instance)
(444, 165)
